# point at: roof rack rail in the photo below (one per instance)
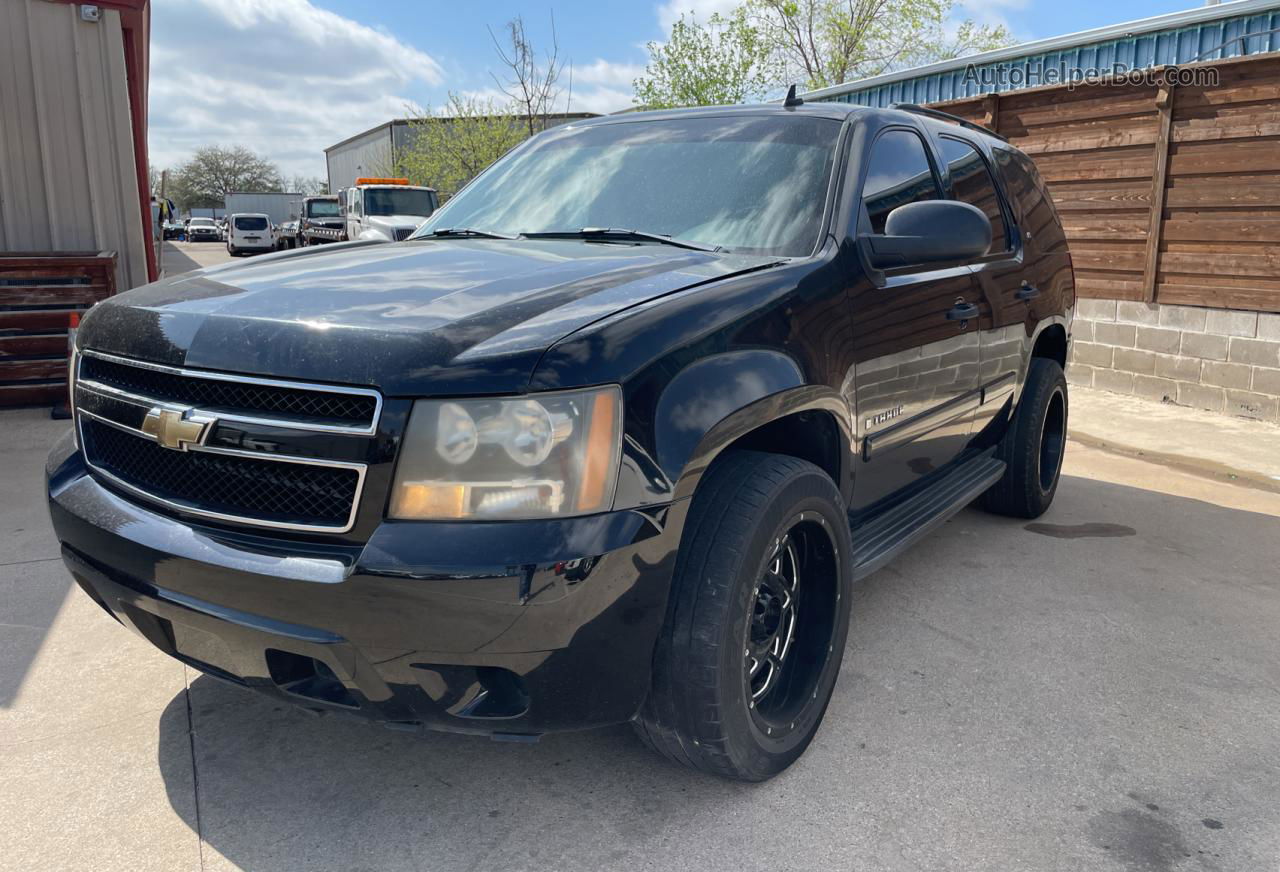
(916, 109)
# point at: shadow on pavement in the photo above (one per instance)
(174, 261)
(1057, 702)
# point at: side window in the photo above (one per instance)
(898, 172)
(1022, 180)
(972, 183)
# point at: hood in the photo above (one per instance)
(413, 318)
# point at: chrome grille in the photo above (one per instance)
(339, 407)
(124, 409)
(228, 485)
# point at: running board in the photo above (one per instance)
(884, 537)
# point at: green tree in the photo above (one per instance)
(727, 60)
(448, 149)
(214, 171)
(826, 42)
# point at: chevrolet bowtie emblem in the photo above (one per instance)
(176, 428)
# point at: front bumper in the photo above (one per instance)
(497, 628)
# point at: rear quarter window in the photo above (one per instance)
(1031, 199)
(971, 183)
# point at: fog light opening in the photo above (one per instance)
(308, 677)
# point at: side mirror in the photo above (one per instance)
(930, 231)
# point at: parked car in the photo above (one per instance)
(289, 234)
(174, 230)
(610, 438)
(202, 230)
(249, 232)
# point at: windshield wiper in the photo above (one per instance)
(475, 234)
(620, 233)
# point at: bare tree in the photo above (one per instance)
(532, 86)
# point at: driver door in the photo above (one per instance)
(916, 359)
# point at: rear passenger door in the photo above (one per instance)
(1005, 291)
(916, 370)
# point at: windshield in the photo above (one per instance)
(398, 201)
(755, 184)
(251, 222)
(201, 222)
(323, 209)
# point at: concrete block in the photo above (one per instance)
(1201, 397)
(1230, 323)
(1266, 381)
(1137, 313)
(1082, 330)
(1149, 387)
(1158, 339)
(1246, 404)
(1178, 368)
(1135, 360)
(923, 364)
(1113, 380)
(1092, 354)
(1096, 310)
(1269, 326)
(1184, 317)
(1226, 375)
(1255, 352)
(1079, 374)
(1120, 335)
(1206, 346)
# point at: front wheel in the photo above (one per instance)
(1033, 446)
(757, 620)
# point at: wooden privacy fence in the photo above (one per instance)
(39, 293)
(1169, 193)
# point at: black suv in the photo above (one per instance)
(609, 438)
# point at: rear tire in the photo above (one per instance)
(757, 619)
(1033, 446)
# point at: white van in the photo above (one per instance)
(249, 231)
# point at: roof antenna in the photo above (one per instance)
(792, 99)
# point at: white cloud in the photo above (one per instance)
(670, 11)
(284, 78)
(992, 13)
(602, 72)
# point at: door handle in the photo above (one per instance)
(962, 311)
(1027, 293)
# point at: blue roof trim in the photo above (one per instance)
(1182, 45)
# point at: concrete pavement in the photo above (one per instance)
(179, 257)
(1099, 690)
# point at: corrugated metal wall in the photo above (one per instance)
(1182, 45)
(67, 180)
(366, 155)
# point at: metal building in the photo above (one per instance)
(1216, 32)
(73, 120)
(280, 207)
(371, 153)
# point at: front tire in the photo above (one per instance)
(1033, 446)
(757, 620)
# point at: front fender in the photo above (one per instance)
(712, 403)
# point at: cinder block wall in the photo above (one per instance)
(1216, 359)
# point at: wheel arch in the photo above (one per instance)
(806, 421)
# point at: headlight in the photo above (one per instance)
(545, 455)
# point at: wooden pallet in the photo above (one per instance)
(39, 293)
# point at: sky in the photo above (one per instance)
(287, 78)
